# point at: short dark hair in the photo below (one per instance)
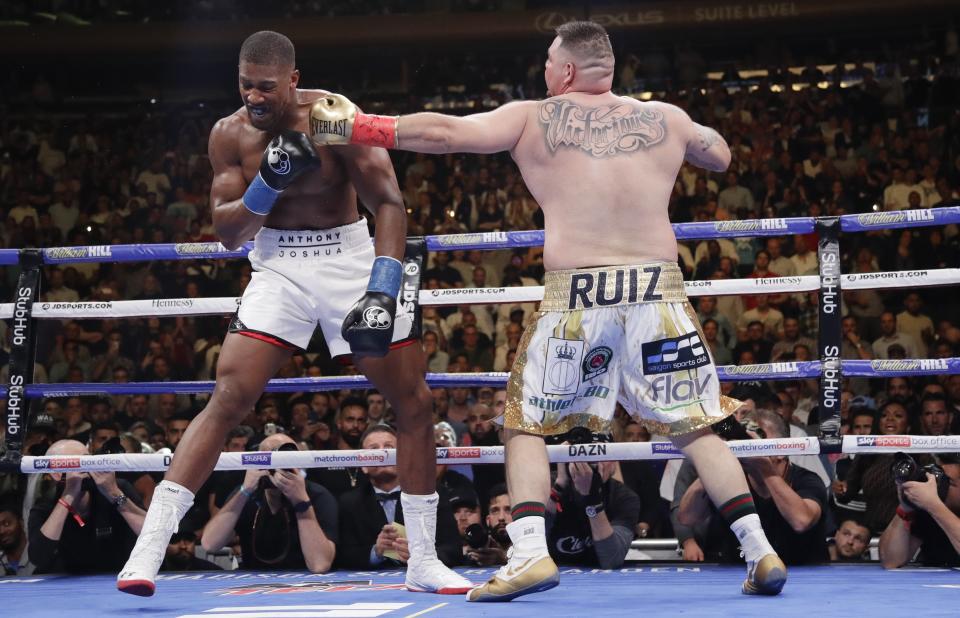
(353, 402)
(181, 416)
(108, 425)
(586, 39)
(268, 48)
(496, 491)
(939, 397)
(240, 431)
(10, 503)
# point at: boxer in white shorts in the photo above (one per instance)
(314, 263)
(309, 278)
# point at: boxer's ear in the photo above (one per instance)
(294, 78)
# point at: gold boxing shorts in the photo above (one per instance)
(617, 333)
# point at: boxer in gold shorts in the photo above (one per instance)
(615, 324)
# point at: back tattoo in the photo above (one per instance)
(601, 131)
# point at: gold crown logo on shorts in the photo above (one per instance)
(566, 352)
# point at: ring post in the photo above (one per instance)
(830, 332)
(22, 348)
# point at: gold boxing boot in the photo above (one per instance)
(765, 576)
(517, 578)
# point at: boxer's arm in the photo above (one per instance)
(233, 222)
(707, 149)
(371, 173)
(335, 120)
(485, 133)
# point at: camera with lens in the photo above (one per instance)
(732, 429)
(905, 468)
(113, 446)
(264, 482)
(476, 536)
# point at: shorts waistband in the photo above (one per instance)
(609, 286)
(312, 243)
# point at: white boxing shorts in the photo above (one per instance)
(308, 278)
(614, 334)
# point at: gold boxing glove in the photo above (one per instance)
(335, 120)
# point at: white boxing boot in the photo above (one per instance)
(170, 503)
(425, 572)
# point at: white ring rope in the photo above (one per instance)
(477, 296)
(614, 451)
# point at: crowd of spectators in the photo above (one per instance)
(878, 144)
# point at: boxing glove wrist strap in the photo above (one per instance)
(260, 197)
(386, 276)
(373, 130)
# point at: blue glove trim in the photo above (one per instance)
(386, 276)
(260, 197)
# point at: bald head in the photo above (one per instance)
(272, 443)
(67, 447)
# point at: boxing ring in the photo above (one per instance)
(849, 589)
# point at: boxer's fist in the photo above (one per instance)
(368, 327)
(331, 120)
(286, 157)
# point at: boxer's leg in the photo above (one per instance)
(725, 483)
(244, 367)
(400, 377)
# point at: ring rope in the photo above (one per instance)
(482, 296)
(943, 215)
(614, 451)
(726, 373)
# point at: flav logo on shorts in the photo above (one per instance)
(677, 393)
(674, 354)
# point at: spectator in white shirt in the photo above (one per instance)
(890, 336)
(156, 180)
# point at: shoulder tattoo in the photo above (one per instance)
(601, 131)
(708, 137)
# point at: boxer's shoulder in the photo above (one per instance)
(226, 132)
(308, 96)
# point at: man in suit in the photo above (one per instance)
(368, 514)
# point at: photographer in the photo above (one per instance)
(283, 521)
(591, 517)
(927, 518)
(789, 499)
(90, 526)
(488, 545)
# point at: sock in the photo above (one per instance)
(527, 509)
(420, 521)
(174, 494)
(738, 507)
(528, 536)
(753, 541)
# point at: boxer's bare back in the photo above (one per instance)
(602, 168)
